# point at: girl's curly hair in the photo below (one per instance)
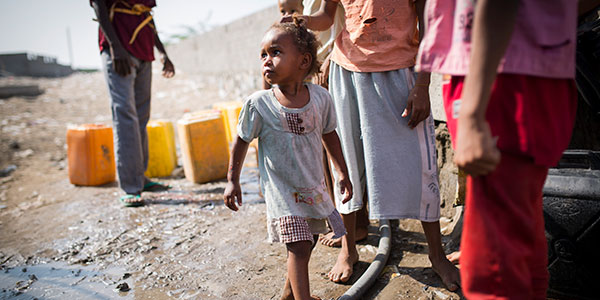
(305, 41)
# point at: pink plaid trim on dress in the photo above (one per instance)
(294, 229)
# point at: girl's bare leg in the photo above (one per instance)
(288, 291)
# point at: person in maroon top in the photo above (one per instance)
(127, 37)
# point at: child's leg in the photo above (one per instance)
(287, 288)
(297, 265)
(503, 227)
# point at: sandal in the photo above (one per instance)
(153, 186)
(130, 200)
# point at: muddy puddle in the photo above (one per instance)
(59, 280)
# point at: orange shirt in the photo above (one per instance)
(380, 35)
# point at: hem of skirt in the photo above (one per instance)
(349, 211)
(394, 217)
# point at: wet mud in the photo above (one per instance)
(60, 241)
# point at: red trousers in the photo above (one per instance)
(503, 246)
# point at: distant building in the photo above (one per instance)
(27, 64)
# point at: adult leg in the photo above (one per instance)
(501, 231)
(128, 142)
(143, 87)
(401, 164)
(362, 220)
(439, 262)
(361, 227)
(348, 256)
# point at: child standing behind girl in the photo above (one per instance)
(291, 121)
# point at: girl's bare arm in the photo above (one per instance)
(334, 148)
(233, 190)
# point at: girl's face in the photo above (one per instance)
(281, 61)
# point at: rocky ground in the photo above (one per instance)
(62, 241)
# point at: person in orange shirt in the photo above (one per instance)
(385, 124)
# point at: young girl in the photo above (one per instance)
(291, 121)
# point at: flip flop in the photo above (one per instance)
(153, 186)
(132, 200)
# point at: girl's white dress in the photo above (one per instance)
(290, 154)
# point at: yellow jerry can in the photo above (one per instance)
(231, 112)
(204, 146)
(161, 161)
(90, 154)
(171, 137)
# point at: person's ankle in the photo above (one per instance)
(437, 258)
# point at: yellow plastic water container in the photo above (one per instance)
(204, 146)
(231, 112)
(171, 132)
(162, 158)
(90, 154)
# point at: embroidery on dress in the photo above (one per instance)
(294, 123)
(310, 196)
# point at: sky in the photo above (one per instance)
(42, 26)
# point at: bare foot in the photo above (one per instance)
(290, 296)
(343, 268)
(287, 295)
(328, 240)
(454, 257)
(447, 272)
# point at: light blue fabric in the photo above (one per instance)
(290, 151)
(395, 165)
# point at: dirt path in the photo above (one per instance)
(62, 241)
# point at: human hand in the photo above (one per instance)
(476, 152)
(168, 70)
(121, 61)
(233, 192)
(345, 187)
(418, 105)
(289, 19)
(322, 78)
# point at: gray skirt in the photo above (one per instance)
(395, 165)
